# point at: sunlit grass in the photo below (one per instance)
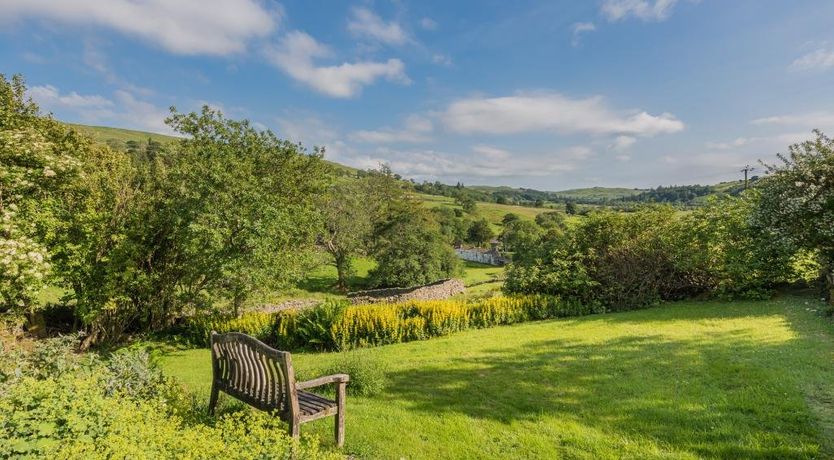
(686, 380)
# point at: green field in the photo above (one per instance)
(599, 193)
(683, 381)
(493, 212)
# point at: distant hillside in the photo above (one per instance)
(681, 195)
(118, 138)
(599, 193)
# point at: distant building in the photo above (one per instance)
(490, 256)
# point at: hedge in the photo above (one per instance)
(339, 326)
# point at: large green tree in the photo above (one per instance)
(797, 201)
(348, 224)
(410, 250)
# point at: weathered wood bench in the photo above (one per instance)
(263, 377)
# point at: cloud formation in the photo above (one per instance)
(365, 23)
(646, 10)
(482, 161)
(123, 110)
(810, 120)
(580, 28)
(821, 59)
(214, 27)
(552, 112)
(297, 52)
(415, 129)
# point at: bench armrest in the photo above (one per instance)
(335, 378)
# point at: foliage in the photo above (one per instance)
(381, 324)
(367, 374)
(39, 158)
(725, 253)
(797, 200)
(81, 414)
(197, 329)
(551, 219)
(138, 238)
(410, 251)
(626, 261)
(347, 226)
(480, 232)
(519, 235)
(454, 228)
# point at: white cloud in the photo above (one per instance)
(810, 120)
(415, 129)
(428, 24)
(482, 161)
(365, 23)
(580, 28)
(552, 112)
(737, 142)
(492, 153)
(821, 59)
(623, 142)
(125, 110)
(217, 27)
(646, 10)
(297, 51)
(442, 59)
(49, 97)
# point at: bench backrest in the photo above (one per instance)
(253, 372)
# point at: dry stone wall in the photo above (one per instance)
(438, 290)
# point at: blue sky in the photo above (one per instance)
(541, 94)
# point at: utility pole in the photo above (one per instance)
(746, 170)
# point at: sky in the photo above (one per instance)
(540, 94)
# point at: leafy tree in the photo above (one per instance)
(797, 201)
(480, 232)
(509, 217)
(466, 202)
(570, 208)
(519, 235)
(454, 227)
(552, 219)
(410, 250)
(347, 226)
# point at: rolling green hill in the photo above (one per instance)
(119, 137)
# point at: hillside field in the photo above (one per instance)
(686, 380)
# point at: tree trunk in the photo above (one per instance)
(342, 269)
(827, 262)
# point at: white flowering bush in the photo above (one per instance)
(34, 164)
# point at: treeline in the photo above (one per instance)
(779, 232)
(135, 239)
(679, 195)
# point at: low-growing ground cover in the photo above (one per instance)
(685, 380)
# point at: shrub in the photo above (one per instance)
(626, 261)
(78, 413)
(367, 373)
(260, 325)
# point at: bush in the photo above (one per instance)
(626, 261)
(367, 373)
(197, 329)
(335, 325)
(123, 408)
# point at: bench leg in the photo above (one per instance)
(340, 414)
(213, 399)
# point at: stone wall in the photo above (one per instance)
(438, 290)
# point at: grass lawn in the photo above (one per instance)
(686, 380)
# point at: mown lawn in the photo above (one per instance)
(686, 380)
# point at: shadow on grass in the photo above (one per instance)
(724, 396)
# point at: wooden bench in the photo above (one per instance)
(263, 377)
